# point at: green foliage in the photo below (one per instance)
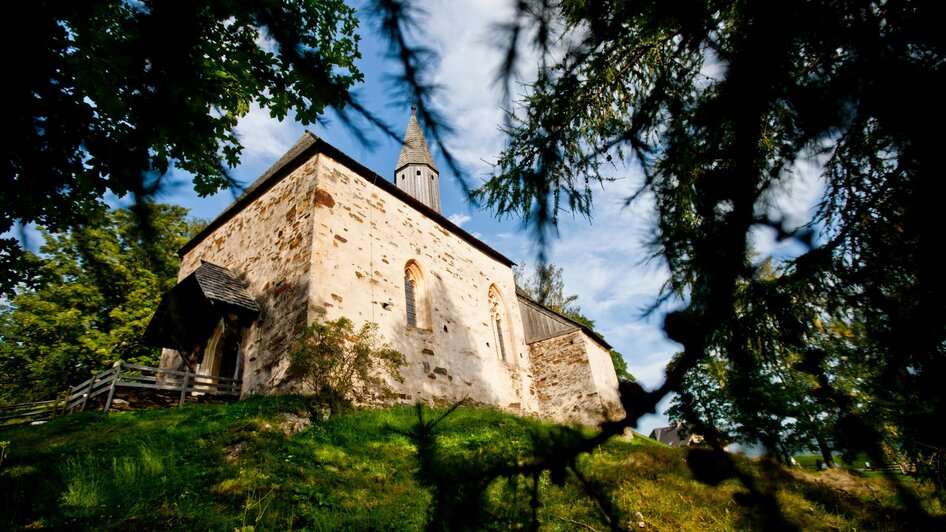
(340, 366)
(110, 95)
(722, 105)
(545, 285)
(775, 327)
(620, 366)
(223, 467)
(97, 288)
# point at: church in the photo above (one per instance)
(319, 236)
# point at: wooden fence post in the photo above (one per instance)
(187, 377)
(56, 410)
(88, 392)
(111, 391)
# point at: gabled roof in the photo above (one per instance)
(220, 286)
(671, 435)
(305, 148)
(189, 311)
(541, 323)
(414, 149)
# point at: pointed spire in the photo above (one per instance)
(414, 150)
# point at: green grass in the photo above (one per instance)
(227, 467)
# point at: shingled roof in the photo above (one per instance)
(307, 146)
(414, 150)
(220, 285)
(541, 323)
(189, 312)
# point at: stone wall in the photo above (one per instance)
(363, 238)
(268, 245)
(326, 242)
(565, 381)
(604, 377)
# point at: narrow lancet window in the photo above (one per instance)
(410, 297)
(499, 338)
(497, 313)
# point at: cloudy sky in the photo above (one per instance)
(604, 260)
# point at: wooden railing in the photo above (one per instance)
(124, 375)
(31, 411)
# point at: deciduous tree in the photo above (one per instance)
(96, 289)
(107, 96)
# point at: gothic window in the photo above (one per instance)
(499, 338)
(410, 296)
(417, 307)
(497, 313)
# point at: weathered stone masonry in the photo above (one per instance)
(319, 236)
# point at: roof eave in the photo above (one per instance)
(307, 146)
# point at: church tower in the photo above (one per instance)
(416, 172)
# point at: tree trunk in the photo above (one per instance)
(825, 451)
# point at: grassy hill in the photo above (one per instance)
(254, 464)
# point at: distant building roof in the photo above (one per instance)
(671, 435)
(414, 150)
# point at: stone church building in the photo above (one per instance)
(319, 236)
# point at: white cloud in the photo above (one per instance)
(459, 218)
(264, 138)
(463, 35)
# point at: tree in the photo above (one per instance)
(108, 96)
(340, 366)
(718, 103)
(788, 416)
(96, 290)
(546, 286)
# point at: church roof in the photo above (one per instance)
(541, 323)
(414, 150)
(305, 148)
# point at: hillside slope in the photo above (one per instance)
(256, 463)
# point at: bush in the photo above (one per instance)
(339, 366)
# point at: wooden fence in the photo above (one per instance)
(125, 375)
(34, 411)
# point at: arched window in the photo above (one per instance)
(410, 297)
(500, 325)
(415, 297)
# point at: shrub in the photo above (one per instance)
(340, 366)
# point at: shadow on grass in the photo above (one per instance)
(238, 465)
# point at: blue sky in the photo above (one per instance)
(604, 260)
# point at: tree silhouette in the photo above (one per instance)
(108, 96)
(718, 103)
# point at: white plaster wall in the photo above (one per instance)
(324, 241)
(267, 244)
(363, 238)
(604, 377)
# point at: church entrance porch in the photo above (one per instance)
(202, 322)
